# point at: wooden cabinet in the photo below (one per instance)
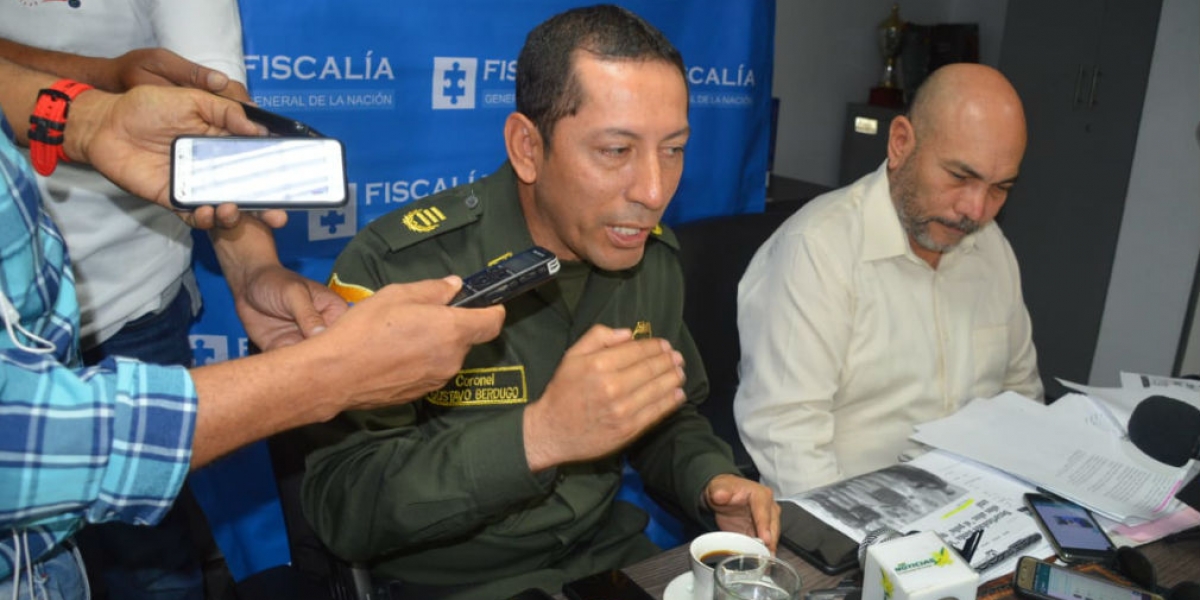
(1080, 67)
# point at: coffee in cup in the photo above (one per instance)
(709, 549)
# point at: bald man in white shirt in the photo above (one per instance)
(893, 301)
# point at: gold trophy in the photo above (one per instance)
(891, 38)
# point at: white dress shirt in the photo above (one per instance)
(849, 339)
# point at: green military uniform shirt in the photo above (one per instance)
(438, 492)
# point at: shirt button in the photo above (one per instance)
(472, 201)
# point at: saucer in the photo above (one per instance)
(680, 588)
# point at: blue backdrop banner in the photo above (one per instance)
(418, 92)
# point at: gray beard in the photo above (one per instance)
(914, 222)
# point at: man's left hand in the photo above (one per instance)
(280, 307)
(744, 506)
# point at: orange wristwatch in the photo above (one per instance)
(48, 121)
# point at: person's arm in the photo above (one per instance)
(156, 66)
(130, 431)
(392, 347)
(794, 321)
(118, 437)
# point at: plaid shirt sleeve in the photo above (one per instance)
(77, 445)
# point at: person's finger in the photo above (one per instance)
(214, 81)
(766, 521)
(274, 218)
(645, 362)
(203, 217)
(300, 304)
(597, 338)
(228, 215)
(428, 291)
(484, 323)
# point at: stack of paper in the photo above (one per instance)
(1118, 403)
(1070, 448)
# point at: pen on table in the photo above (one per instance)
(971, 544)
(1012, 550)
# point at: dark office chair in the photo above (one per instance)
(714, 253)
(314, 573)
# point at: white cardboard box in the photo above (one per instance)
(917, 567)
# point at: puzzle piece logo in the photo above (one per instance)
(454, 82)
(335, 223)
(208, 349)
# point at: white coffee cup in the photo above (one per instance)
(717, 546)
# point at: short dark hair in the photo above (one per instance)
(547, 85)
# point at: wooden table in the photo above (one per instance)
(1175, 562)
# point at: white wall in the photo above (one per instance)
(1159, 241)
(826, 55)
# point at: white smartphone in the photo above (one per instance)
(258, 172)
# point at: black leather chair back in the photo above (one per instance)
(714, 253)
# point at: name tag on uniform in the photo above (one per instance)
(483, 387)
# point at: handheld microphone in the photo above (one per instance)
(1166, 429)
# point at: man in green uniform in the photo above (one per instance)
(506, 477)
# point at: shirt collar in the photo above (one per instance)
(883, 235)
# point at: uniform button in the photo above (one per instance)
(472, 201)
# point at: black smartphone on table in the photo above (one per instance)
(1041, 580)
(829, 550)
(258, 172)
(1071, 529)
(608, 585)
(508, 278)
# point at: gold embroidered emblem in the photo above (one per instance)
(424, 220)
(642, 330)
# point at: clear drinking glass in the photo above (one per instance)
(755, 577)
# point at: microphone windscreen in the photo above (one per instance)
(1166, 429)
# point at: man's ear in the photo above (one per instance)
(902, 139)
(524, 145)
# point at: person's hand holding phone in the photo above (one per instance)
(159, 66)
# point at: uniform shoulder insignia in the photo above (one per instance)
(428, 217)
(664, 234)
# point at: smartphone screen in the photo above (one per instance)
(258, 172)
(1071, 528)
(1045, 580)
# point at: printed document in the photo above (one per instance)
(1065, 448)
(937, 492)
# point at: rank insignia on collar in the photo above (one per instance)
(424, 220)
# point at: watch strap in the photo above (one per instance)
(49, 121)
